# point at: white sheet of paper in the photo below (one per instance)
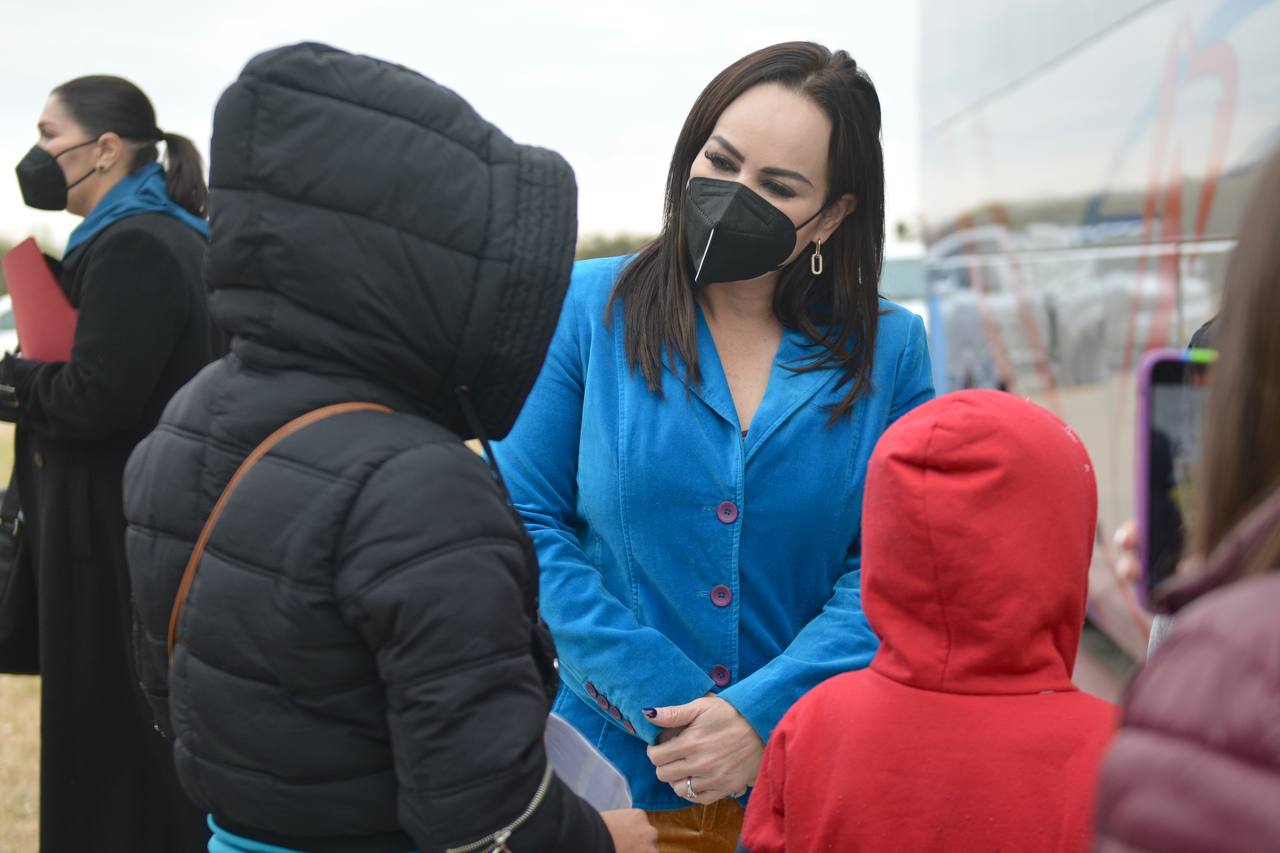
(581, 766)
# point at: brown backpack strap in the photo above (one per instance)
(193, 562)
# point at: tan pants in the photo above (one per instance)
(699, 829)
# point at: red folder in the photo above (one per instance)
(45, 319)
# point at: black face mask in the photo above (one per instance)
(40, 178)
(733, 234)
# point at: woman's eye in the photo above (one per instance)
(780, 190)
(721, 163)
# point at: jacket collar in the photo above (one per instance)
(786, 392)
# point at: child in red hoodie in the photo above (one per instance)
(966, 732)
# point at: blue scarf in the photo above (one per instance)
(143, 191)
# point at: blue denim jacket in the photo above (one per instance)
(679, 558)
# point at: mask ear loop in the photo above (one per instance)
(72, 148)
(821, 210)
(91, 173)
(94, 171)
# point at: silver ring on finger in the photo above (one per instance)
(690, 794)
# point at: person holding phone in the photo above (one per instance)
(1195, 765)
(690, 462)
(133, 268)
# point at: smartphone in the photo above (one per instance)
(1172, 386)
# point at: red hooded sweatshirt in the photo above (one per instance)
(966, 732)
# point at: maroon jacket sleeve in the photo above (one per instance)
(1196, 764)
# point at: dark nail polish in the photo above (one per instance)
(650, 712)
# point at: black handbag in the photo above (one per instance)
(19, 618)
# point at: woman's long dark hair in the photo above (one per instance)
(1240, 465)
(838, 310)
(102, 104)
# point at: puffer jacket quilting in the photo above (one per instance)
(359, 660)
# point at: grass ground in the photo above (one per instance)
(19, 735)
(19, 763)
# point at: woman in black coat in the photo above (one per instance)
(133, 270)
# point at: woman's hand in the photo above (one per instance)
(1128, 569)
(711, 746)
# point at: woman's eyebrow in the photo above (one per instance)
(728, 146)
(769, 170)
(785, 173)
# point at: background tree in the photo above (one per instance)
(609, 245)
(5, 246)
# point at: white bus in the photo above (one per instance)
(1085, 165)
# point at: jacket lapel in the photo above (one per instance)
(714, 388)
(787, 390)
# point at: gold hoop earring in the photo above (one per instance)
(815, 260)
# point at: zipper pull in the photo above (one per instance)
(500, 842)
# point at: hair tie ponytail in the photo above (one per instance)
(184, 173)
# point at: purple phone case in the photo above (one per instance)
(1145, 371)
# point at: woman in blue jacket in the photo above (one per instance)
(691, 460)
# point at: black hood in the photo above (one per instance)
(367, 222)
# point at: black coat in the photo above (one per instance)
(359, 665)
(107, 781)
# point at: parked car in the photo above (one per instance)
(902, 278)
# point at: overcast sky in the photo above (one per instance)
(606, 84)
